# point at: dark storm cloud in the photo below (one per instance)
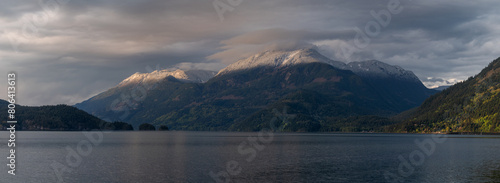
(98, 43)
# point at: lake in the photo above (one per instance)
(250, 157)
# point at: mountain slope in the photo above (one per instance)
(398, 86)
(469, 106)
(276, 59)
(441, 88)
(120, 102)
(236, 97)
(59, 117)
(378, 69)
(303, 81)
(196, 76)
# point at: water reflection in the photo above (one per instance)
(297, 157)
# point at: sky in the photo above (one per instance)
(66, 51)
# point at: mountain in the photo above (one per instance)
(277, 59)
(378, 69)
(441, 88)
(317, 93)
(59, 117)
(322, 93)
(469, 106)
(129, 94)
(196, 76)
(398, 86)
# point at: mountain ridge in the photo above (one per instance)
(285, 79)
(198, 76)
(57, 118)
(468, 106)
(276, 59)
(375, 68)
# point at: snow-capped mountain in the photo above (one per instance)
(374, 68)
(279, 59)
(198, 76)
(371, 68)
(240, 94)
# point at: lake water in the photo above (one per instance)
(249, 157)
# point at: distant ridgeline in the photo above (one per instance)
(320, 94)
(469, 106)
(59, 117)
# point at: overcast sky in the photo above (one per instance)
(65, 51)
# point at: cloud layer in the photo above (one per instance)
(65, 51)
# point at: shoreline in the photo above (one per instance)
(450, 133)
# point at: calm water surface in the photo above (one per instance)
(284, 157)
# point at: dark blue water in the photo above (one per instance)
(249, 157)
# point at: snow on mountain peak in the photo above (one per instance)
(375, 68)
(370, 68)
(276, 59)
(198, 76)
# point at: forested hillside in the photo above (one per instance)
(59, 117)
(469, 106)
